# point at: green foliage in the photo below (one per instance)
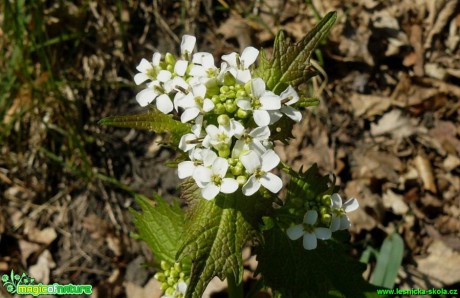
(152, 120)
(294, 272)
(388, 261)
(290, 64)
(215, 235)
(160, 225)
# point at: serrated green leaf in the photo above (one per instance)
(290, 64)
(388, 261)
(152, 120)
(160, 225)
(216, 234)
(295, 272)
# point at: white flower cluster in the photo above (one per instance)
(230, 111)
(336, 216)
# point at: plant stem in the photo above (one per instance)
(234, 290)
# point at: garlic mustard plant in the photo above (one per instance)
(225, 120)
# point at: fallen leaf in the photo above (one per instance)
(395, 202)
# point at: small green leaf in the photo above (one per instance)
(388, 261)
(295, 272)
(290, 64)
(152, 120)
(161, 226)
(216, 233)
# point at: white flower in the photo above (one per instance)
(308, 230)
(197, 155)
(254, 140)
(187, 45)
(291, 97)
(239, 66)
(147, 70)
(153, 92)
(259, 167)
(218, 137)
(193, 103)
(213, 179)
(203, 65)
(191, 140)
(262, 102)
(340, 220)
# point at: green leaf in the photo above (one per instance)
(290, 64)
(161, 226)
(295, 272)
(152, 120)
(388, 261)
(216, 233)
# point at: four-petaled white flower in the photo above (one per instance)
(238, 66)
(340, 220)
(193, 103)
(256, 140)
(262, 102)
(309, 231)
(259, 167)
(212, 180)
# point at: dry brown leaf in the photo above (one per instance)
(425, 171)
(150, 290)
(394, 123)
(436, 265)
(368, 163)
(451, 162)
(45, 236)
(446, 134)
(369, 105)
(395, 202)
(41, 270)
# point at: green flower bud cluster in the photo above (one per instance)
(170, 277)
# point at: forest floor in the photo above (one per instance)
(387, 126)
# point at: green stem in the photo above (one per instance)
(234, 290)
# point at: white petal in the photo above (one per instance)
(243, 76)
(164, 75)
(187, 44)
(310, 217)
(336, 201)
(144, 66)
(260, 133)
(146, 96)
(250, 161)
(249, 56)
(251, 186)
(270, 101)
(351, 205)
(309, 241)
(271, 182)
(292, 113)
(230, 59)
(244, 104)
(236, 127)
(181, 287)
(220, 166)
(269, 160)
(275, 115)
(202, 174)
(189, 114)
(164, 104)
(295, 232)
(257, 87)
(229, 185)
(261, 118)
(185, 101)
(185, 169)
(179, 82)
(257, 146)
(210, 191)
(290, 93)
(184, 144)
(212, 131)
(335, 224)
(238, 149)
(140, 78)
(208, 105)
(344, 222)
(180, 67)
(198, 71)
(323, 233)
(156, 58)
(209, 157)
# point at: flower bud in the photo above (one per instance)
(223, 120)
(241, 179)
(230, 107)
(242, 114)
(224, 152)
(229, 79)
(164, 265)
(170, 59)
